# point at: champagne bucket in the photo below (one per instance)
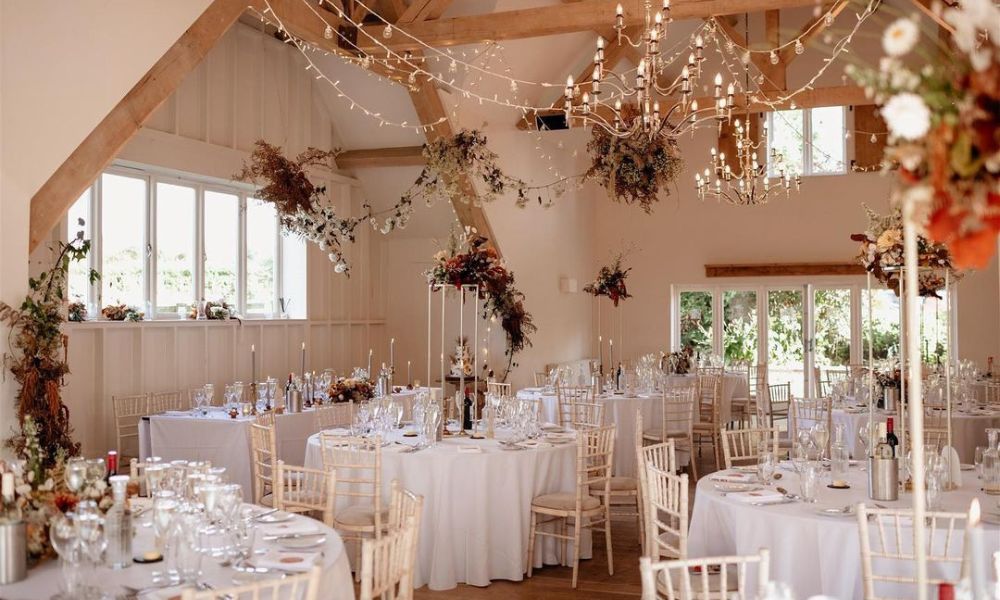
(890, 399)
(13, 552)
(293, 401)
(883, 479)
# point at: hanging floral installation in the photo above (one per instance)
(610, 281)
(300, 204)
(944, 125)
(882, 254)
(469, 261)
(633, 169)
(37, 355)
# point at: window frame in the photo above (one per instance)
(807, 149)
(152, 177)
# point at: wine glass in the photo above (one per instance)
(272, 389)
(96, 470)
(821, 435)
(62, 536)
(980, 451)
(75, 473)
(209, 398)
(766, 465)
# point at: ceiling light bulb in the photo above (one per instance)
(387, 32)
(328, 32)
(799, 48)
(774, 57)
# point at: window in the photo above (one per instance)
(739, 334)
(163, 243)
(696, 321)
(810, 141)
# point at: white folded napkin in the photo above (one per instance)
(551, 427)
(286, 560)
(163, 593)
(757, 496)
(337, 431)
(470, 450)
(953, 465)
(290, 527)
(177, 413)
(734, 477)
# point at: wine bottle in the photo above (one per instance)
(890, 437)
(467, 411)
(112, 464)
(618, 378)
(989, 367)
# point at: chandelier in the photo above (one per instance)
(664, 106)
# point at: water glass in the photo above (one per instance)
(75, 473)
(979, 460)
(766, 465)
(809, 481)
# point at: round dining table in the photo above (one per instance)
(45, 580)
(477, 503)
(815, 550)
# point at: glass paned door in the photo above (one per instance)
(739, 327)
(831, 334)
(785, 341)
(696, 321)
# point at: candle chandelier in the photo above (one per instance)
(662, 105)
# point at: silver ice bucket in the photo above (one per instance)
(13, 552)
(890, 399)
(883, 479)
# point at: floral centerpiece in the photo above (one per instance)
(76, 312)
(345, 389)
(943, 116)
(122, 312)
(470, 261)
(462, 361)
(215, 310)
(882, 254)
(633, 169)
(41, 494)
(679, 363)
(611, 282)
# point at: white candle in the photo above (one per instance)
(408, 380)
(611, 354)
(392, 349)
(370, 363)
(303, 359)
(253, 363)
(600, 353)
(974, 531)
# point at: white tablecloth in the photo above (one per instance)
(44, 580)
(408, 396)
(223, 441)
(476, 515)
(814, 554)
(968, 430)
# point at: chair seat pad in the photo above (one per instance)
(618, 484)
(359, 516)
(564, 501)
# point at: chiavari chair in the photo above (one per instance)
(358, 462)
(677, 424)
(129, 411)
(742, 446)
(757, 377)
(665, 501)
(824, 388)
(387, 563)
(806, 412)
(713, 578)
(163, 401)
(566, 397)
(304, 490)
(594, 458)
(304, 586)
(662, 456)
(886, 537)
(497, 388)
(264, 462)
(265, 419)
(586, 415)
(405, 506)
(935, 429)
(709, 419)
(778, 398)
(541, 379)
(340, 414)
(742, 406)
(625, 490)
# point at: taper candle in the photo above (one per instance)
(370, 363)
(303, 371)
(253, 363)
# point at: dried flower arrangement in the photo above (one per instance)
(882, 254)
(300, 203)
(943, 117)
(346, 389)
(122, 312)
(633, 169)
(610, 281)
(215, 310)
(37, 355)
(468, 260)
(76, 312)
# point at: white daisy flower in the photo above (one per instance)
(907, 116)
(900, 37)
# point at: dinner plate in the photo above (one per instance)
(304, 543)
(278, 517)
(834, 511)
(967, 467)
(736, 487)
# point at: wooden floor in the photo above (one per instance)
(554, 583)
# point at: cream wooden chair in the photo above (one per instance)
(594, 458)
(264, 463)
(498, 388)
(567, 397)
(358, 462)
(405, 506)
(129, 411)
(304, 490)
(778, 398)
(137, 473)
(709, 420)
(936, 430)
(163, 401)
(886, 537)
(625, 490)
(662, 456)
(387, 563)
(677, 424)
(704, 578)
(741, 446)
(541, 379)
(334, 416)
(265, 419)
(806, 412)
(586, 415)
(665, 500)
(991, 393)
(304, 586)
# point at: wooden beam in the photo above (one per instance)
(729, 30)
(784, 269)
(774, 75)
(99, 148)
(811, 30)
(422, 10)
(406, 156)
(927, 7)
(555, 19)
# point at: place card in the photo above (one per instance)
(286, 560)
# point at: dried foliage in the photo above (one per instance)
(633, 169)
(37, 355)
(469, 261)
(611, 281)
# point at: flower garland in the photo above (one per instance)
(882, 254)
(633, 169)
(480, 265)
(610, 282)
(37, 355)
(943, 121)
(300, 203)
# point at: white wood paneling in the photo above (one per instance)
(249, 86)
